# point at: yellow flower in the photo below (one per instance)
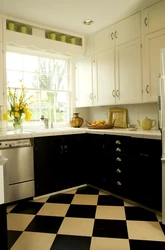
(5, 117)
(16, 114)
(18, 103)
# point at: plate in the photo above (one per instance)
(120, 117)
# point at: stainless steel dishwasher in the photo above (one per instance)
(19, 169)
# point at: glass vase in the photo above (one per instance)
(17, 124)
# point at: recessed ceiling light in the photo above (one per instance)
(88, 22)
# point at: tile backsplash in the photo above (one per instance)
(134, 112)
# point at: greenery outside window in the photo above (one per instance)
(46, 76)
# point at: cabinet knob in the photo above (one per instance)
(65, 148)
(118, 183)
(115, 34)
(61, 149)
(113, 93)
(91, 96)
(145, 21)
(147, 89)
(118, 159)
(118, 170)
(118, 149)
(118, 142)
(117, 93)
(112, 35)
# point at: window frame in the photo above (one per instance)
(52, 55)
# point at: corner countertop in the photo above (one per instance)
(38, 132)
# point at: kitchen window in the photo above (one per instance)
(46, 77)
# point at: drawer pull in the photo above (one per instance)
(118, 171)
(118, 149)
(144, 154)
(118, 159)
(118, 142)
(118, 183)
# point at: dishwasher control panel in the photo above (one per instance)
(15, 143)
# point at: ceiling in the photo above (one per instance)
(68, 15)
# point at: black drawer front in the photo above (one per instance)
(118, 144)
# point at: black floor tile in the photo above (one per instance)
(27, 207)
(45, 224)
(68, 242)
(61, 198)
(146, 245)
(12, 237)
(138, 213)
(110, 229)
(81, 211)
(109, 200)
(87, 190)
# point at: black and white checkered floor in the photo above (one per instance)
(83, 219)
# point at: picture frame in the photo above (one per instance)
(120, 117)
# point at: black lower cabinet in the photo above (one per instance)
(95, 161)
(148, 173)
(57, 163)
(74, 160)
(126, 166)
(3, 227)
(118, 155)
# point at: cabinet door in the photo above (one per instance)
(1, 30)
(44, 183)
(84, 81)
(152, 45)
(104, 39)
(147, 172)
(153, 18)
(74, 161)
(104, 79)
(128, 73)
(96, 162)
(127, 29)
(1, 74)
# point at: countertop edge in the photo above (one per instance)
(150, 134)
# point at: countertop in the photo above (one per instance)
(38, 132)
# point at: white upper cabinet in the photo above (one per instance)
(104, 66)
(84, 82)
(151, 64)
(128, 73)
(104, 78)
(127, 29)
(1, 75)
(153, 17)
(1, 30)
(104, 39)
(153, 27)
(128, 60)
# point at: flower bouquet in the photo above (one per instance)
(19, 107)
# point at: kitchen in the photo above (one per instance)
(137, 109)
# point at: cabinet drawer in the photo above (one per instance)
(147, 147)
(118, 144)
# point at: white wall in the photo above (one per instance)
(134, 112)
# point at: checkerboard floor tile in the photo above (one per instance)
(83, 219)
